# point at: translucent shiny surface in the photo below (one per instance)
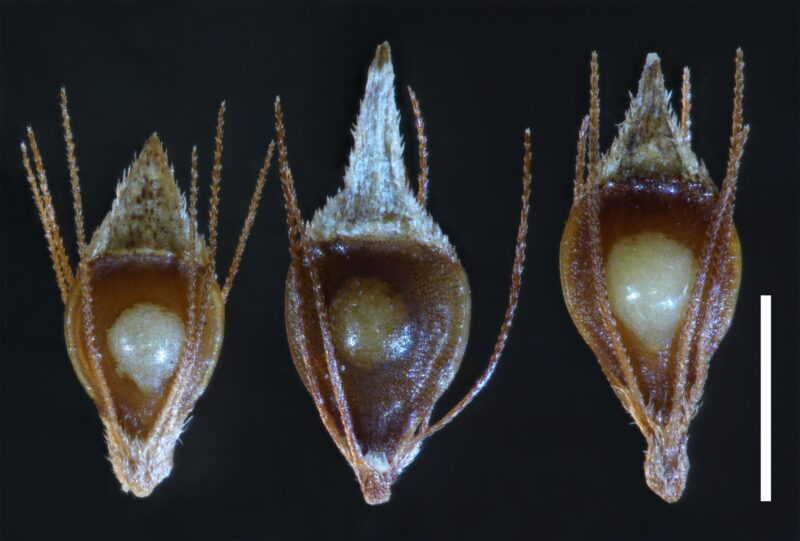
(146, 341)
(679, 210)
(399, 320)
(370, 323)
(649, 278)
(119, 283)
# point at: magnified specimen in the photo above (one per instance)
(144, 314)
(651, 263)
(377, 302)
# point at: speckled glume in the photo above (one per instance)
(144, 314)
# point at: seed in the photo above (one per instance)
(649, 277)
(145, 343)
(377, 302)
(651, 263)
(144, 314)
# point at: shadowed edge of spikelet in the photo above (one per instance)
(650, 142)
(149, 212)
(376, 200)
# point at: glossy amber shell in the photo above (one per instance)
(119, 282)
(387, 401)
(681, 210)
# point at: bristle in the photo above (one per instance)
(192, 331)
(47, 217)
(294, 219)
(80, 232)
(248, 222)
(738, 94)
(296, 233)
(47, 201)
(299, 249)
(193, 191)
(580, 160)
(594, 118)
(422, 150)
(686, 106)
(101, 391)
(513, 295)
(216, 176)
(716, 244)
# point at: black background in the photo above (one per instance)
(546, 451)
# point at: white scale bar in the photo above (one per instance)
(766, 398)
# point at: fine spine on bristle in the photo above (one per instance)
(651, 142)
(149, 212)
(376, 198)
